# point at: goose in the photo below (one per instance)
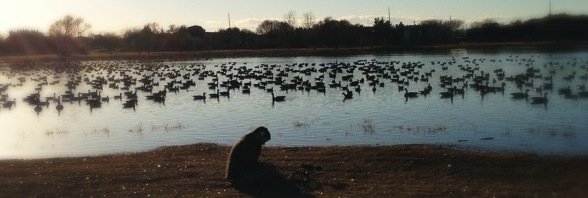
(519, 95)
(461, 90)
(278, 98)
(105, 99)
(119, 97)
(348, 95)
(129, 104)
(9, 104)
(564, 91)
(50, 97)
(410, 94)
(539, 100)
(225, 93)
(59, 106)
(571, 96)
(246, 90)
(448, 93)
(46, 103)
(200, 97)
(214, 95)
(38, 109)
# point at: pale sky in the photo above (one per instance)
(117, 15)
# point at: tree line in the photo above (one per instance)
(67, 36)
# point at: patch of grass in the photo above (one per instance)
(105, 131)
(421, 129)
(174, 127)
(138, 129)
(368, 126)
(56, 132)
(300, 124)
(166, 127)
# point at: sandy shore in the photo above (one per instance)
(352, 171)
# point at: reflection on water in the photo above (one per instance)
(315, 115)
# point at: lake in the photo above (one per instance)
(314, 112)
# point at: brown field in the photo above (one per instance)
(352, 171)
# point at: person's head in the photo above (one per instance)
(262, 134)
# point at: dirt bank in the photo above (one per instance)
(380, 171)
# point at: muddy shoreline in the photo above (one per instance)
(348, 171)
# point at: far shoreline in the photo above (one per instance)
(295, 52)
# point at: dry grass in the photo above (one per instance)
(382, 171)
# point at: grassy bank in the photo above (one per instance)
(343, 51)
(380, 171)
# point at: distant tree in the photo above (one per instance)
(151, 37)
(66, 33)
(308, 20)
(107, 41)
(2, 45)
(454, 28)
(437, 31)
(276, 33)
(382, 31)
(232, 38)
(27, 42)
(196, 31)
(487, 30)
(131, 39)
(290, 18)
(268, 26)
(69, 26)
(335, 33)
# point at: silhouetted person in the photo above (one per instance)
(243, 170)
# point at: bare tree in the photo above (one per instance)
(153, 27)
(308, 20)
(66, 33)
(453, 25)
(268, 26)
(69, 27)
(290, 18)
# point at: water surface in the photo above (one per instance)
(306, 118)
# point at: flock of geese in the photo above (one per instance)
(134, 81)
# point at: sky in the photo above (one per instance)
(115, 16)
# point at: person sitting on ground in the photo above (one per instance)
(243, 169)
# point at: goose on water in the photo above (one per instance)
(410, 94)
(214, 95)
(448, 93)
(278, 98)
(539, 100)
(200, 97)
(348, 95)
(519, 95)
